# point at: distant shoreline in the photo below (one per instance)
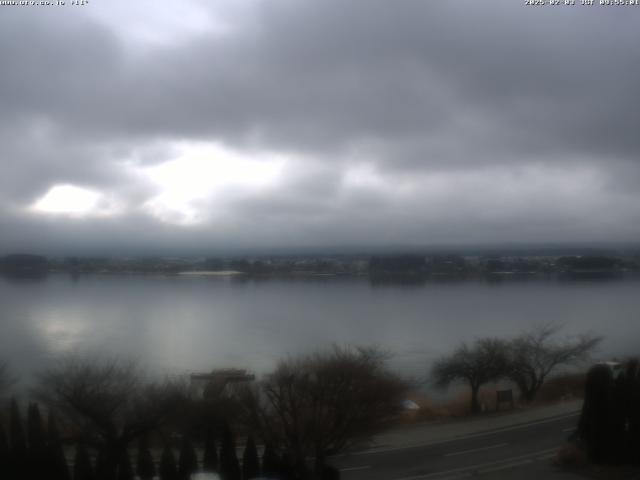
(212, 273)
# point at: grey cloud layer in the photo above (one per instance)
(419, 90)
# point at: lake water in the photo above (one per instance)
(189, 323)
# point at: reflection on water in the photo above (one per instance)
(192, 323)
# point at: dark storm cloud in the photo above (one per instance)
(334, 72)
(465, 93)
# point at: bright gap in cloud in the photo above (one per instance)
(203, 176)
(152, 23)
(68, 199)
(363, 175)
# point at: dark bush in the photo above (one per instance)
(18, 443)
(58, 462)
(145, 467)
(287, 469)
(609, 424)
(188, 462)
(229, 465)
(270, 461)
(37, 451)
(168, 470)
(330, 473)
(4, 453)
(633, 408)
(82, 469)
(125, 470)
(250, 462)
(210, 460)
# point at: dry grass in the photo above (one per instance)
(562, 387)
(458, 406)
(571, 456)
(558, 388)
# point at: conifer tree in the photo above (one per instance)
(594, 426)
(250, 462)
(125, 471)
(18, 444)
(188, 461)
(37, 450)
(210, 460)
(330, 473)
(634, 411)
(104, 469)
(168, 470)
(270, 462)
(229, 465)
(57, 460)
(4, 454)
(145, 468)
(286, 470)
(82, 469)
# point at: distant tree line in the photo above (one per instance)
(389, 267)
(591, 263)
(424, 267)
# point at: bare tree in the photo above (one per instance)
(320, 404)
(537, 353)
(6, 379)
(107, 401)
(482, 362)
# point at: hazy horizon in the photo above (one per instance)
(491, 249)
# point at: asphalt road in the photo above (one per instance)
(478, 454)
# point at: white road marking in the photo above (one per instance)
(374, 451)
(505, 466)
(480, 449)
(457, 476)
(352, 469)
(478, 466)
(546, 457)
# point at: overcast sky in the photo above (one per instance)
(205, 125)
